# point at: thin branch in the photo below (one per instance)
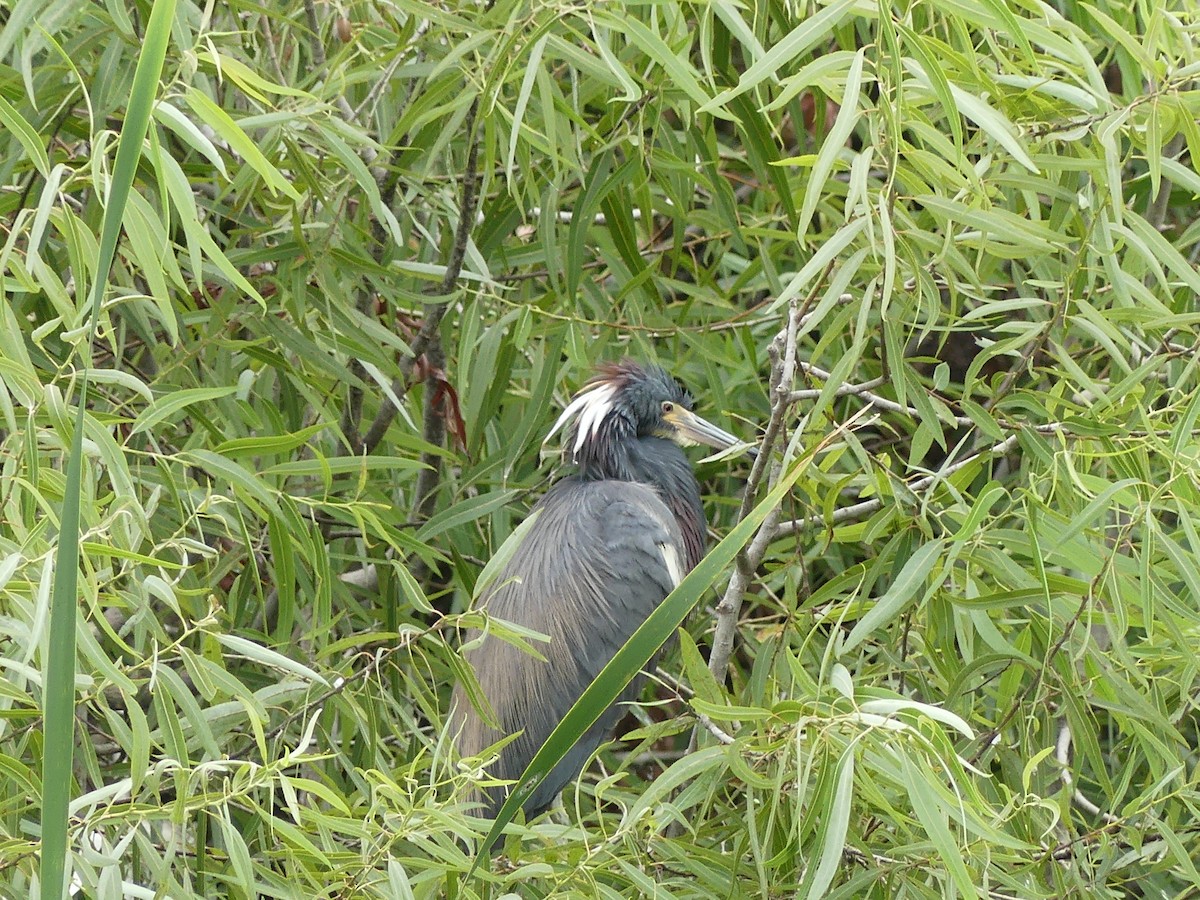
(1088, 122)
(867, 507)
(373, 663)
(433, 318)
(272, 51)
(366, 152)
(864, 391)
(383, 81)
(783, 352)
(712, 728)
(314, 34)
(1062, 753)
(842, 390)
(850, 513)
(988, 738)
(1069, 849)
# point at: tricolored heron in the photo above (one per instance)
(608, 544)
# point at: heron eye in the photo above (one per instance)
(667, 406)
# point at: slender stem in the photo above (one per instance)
(434, 432)
(783, 352)
(433, 318)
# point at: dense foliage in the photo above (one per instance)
(941, 254)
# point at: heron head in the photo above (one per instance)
(626, 400)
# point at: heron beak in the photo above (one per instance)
(690, 429)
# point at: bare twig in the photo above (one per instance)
(855, 855)
(1062, 752)
(850, 513)
(682, 693)
(842, 390)
(433, 318)
(381, 84)
(400, 384)
(712, 728)
(783, 353)
(314, 34)
(864, 391)
(272, 51)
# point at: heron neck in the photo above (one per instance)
(664, 466)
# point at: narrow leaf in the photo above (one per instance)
(887, 607)
(164, 407)
(59, 665)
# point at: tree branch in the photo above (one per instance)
(864, 391)
(858, 510)
(433, 432)
(366, 152)
(433, 318)
(783, 354)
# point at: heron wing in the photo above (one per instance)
(600, 557)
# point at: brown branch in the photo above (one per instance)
(314, 37)
(433, 432)
(352, 414)
(433, 318)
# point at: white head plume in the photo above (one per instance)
(592, 405)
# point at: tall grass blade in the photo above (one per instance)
(59, 675)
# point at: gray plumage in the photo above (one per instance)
(608, 545)
(616, 535)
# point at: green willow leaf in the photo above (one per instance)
(25, 133)
(800, 40)
(166, 406)
(241, 143)
(910, 579)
